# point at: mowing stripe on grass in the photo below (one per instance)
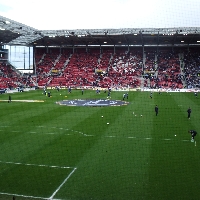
(87, 135)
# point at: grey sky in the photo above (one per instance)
(93, 14)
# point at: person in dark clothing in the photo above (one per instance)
(151, 95)
(124, 96)
(69, 90)
(9, 99)
(193, 133)
(189, 112)
(98, 91)
(156, 110)
(57, 88)
(108, 94)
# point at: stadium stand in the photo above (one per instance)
(191, 64)
(9, 78)
(134, 69)
(127, 61)
(169, 71)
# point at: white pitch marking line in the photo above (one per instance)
(110, 136)
(88, 135)
(29, 164)
(51, 197)
(18, 195)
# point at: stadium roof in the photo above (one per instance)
(15, 33)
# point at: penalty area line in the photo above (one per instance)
(52, 196)
(20, 195)
(37, 165)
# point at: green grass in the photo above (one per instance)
(68, 152)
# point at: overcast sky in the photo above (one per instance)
(102, 14)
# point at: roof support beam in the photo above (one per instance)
(141, 37)
(158, 38)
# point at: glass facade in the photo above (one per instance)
(21, 57)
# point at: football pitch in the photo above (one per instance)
(53, 151)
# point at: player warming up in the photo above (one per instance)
(151, 95)
(189, 112)
(156, 110)
(193, 134)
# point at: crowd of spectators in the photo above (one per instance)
(162, 69)
(167, 71)
(11, 78)
(191, 64)
(8, 76)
